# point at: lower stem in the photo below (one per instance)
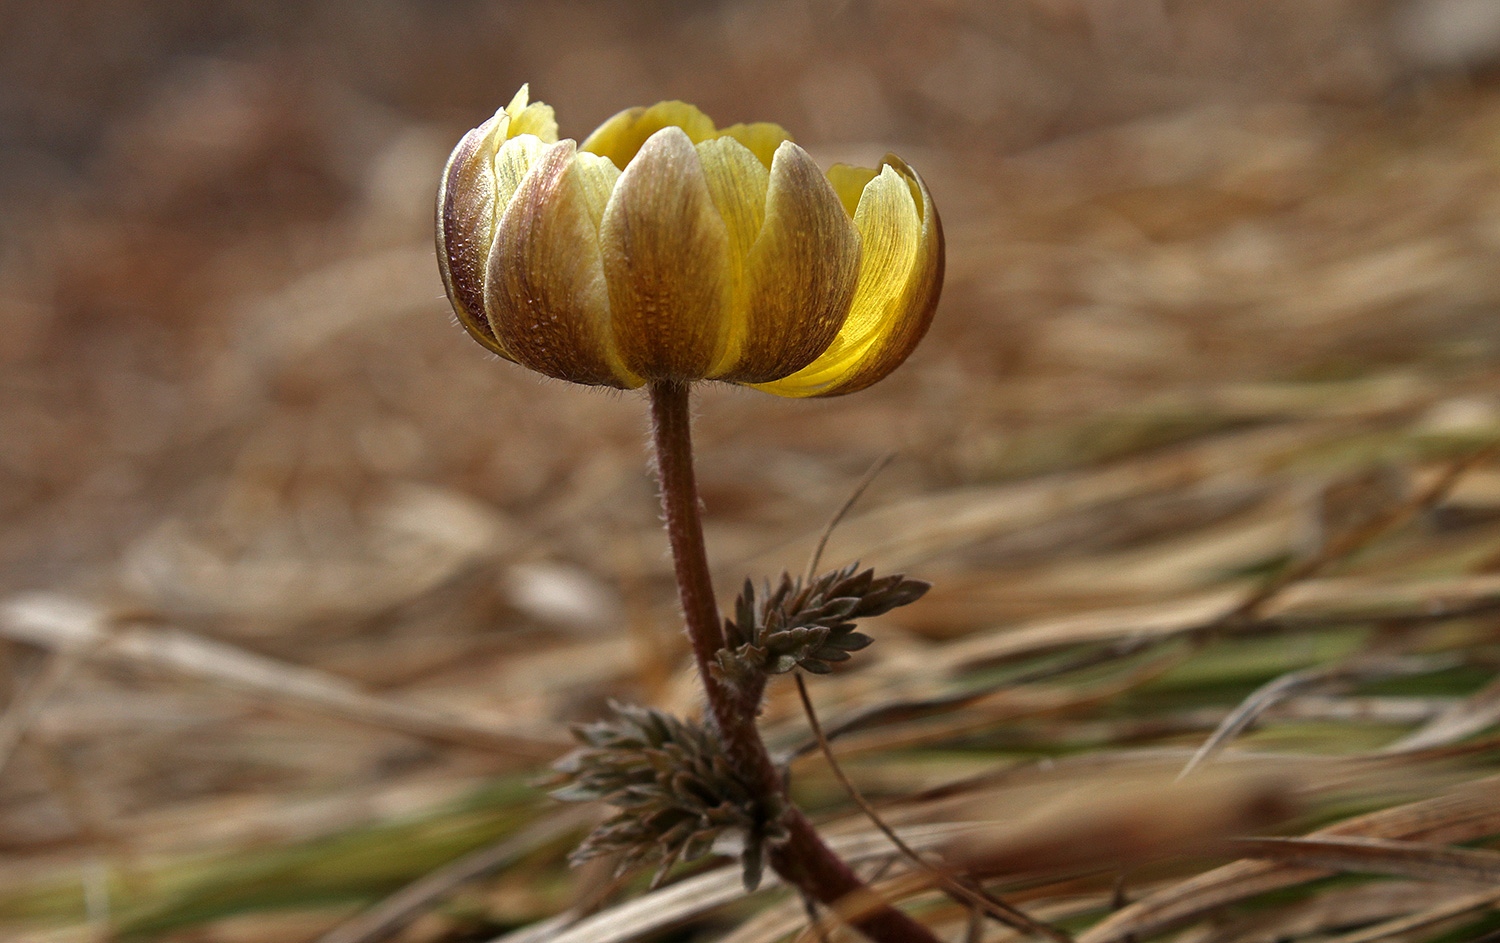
(802, 860)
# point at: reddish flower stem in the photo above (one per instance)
(803, 860)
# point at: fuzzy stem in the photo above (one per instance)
(803, 860)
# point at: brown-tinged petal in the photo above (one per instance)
(762, 138)
(666, 249)
(620, 138)
(901, 275)
(466, 209)
(801, 273)
(666, 259)
(546, 295)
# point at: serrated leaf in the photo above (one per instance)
(807, 624)
(852, 642)
(782, 664)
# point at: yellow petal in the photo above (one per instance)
(597, 176)
(513, 161)
(737, 183)
(901, 275)
(546, 295)
(535, 118)
(621, 137)
(762, 138)
(467, 205)
(666, 258)
(800, 275)
(849, 183)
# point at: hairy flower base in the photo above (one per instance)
(664, 248)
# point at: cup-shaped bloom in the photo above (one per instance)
(664, 248)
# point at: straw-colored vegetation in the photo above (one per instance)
(299, 591)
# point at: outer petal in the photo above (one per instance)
(666, 258)
(466, 210)
(545, 293)
(620, 138)
(763, 138)
(901, 275)
(800, 275)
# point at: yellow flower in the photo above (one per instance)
(663, 248)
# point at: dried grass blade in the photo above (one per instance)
(1333, 911)
(1417, 861)
(1108, 822)
(1269, 694)
(1241, 718)
(688, 898)
(993, 703)
(908, 533)
(394, 913)
(1468, 717)
(1308, 606)
(1350, 541)
(961, 891)
(70, 625)
(27, 704)
(1447, 910)
(1468, 813)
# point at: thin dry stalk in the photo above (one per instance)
(810, 906)
(1465, 814)
(1417, 861)
(1348, 542)
(26, 706)
(1308, 607)
(87, 632)
(1365, 668)
(962, 892)
(849, 502)
(1447, 910)
(1469, 716)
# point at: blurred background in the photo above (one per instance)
(299, 588)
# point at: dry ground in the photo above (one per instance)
(299, 589)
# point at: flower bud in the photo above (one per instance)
(664, 248)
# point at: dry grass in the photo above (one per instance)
(298, 589)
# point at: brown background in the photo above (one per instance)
(233, 403)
